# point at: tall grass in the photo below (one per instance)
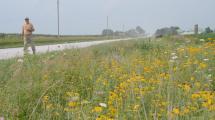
(136, 79)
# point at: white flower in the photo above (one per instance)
(171, 61)
(20, 60)
(75, 98)
(103, 105)
(100, 93)
(173, 54)
(205, 59)
(202, 40)
(210, 75)
(186, 56)
(174, 57)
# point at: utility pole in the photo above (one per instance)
(107, 23)
(123, 30)
(196, 29)
(107, 28)
(58, 18)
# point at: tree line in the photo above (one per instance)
(137, 32)
(175, 30)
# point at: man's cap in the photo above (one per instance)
(27, 18)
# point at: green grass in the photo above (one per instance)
(206, 36)
(11, 41)
(203, 36)
(136, 79)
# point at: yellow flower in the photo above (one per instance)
(197, 84)
(45, 99)
(202, 65)
(193, 108)
(45, 77)
(195, 96)
(164, 75)
(196, 62)
(112, 96)
(136, 107)
(112, 111)
(210, 38)
(72, 104)
(181, 50)
(186, 87)
(175, 69)
(212, 107)
(194, 51)
(49, 106)
(192, 78)
(103, 117)
(66, 109)
(147, 69)
(97, 109)
(176, 111)
(185, 111)
(158, 63)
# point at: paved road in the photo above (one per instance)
(18, 52)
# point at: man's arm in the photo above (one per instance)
(32, 28)
(22, 32)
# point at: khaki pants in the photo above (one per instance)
(28, 41)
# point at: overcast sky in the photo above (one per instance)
(89, 16)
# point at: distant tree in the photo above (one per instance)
(161, 32)
(132, 33)
(174, 30)
(107, 32)
(208, 30)
(2, 35)
(140, 30)
(119, 33)
(167, 31)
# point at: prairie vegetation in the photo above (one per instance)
(165, 78)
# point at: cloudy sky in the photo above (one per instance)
(89, 16)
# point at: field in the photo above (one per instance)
(167, 78)
(14, 40)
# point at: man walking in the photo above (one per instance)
(27, 31)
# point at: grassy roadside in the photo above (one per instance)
(12, 41)
(168, 78)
